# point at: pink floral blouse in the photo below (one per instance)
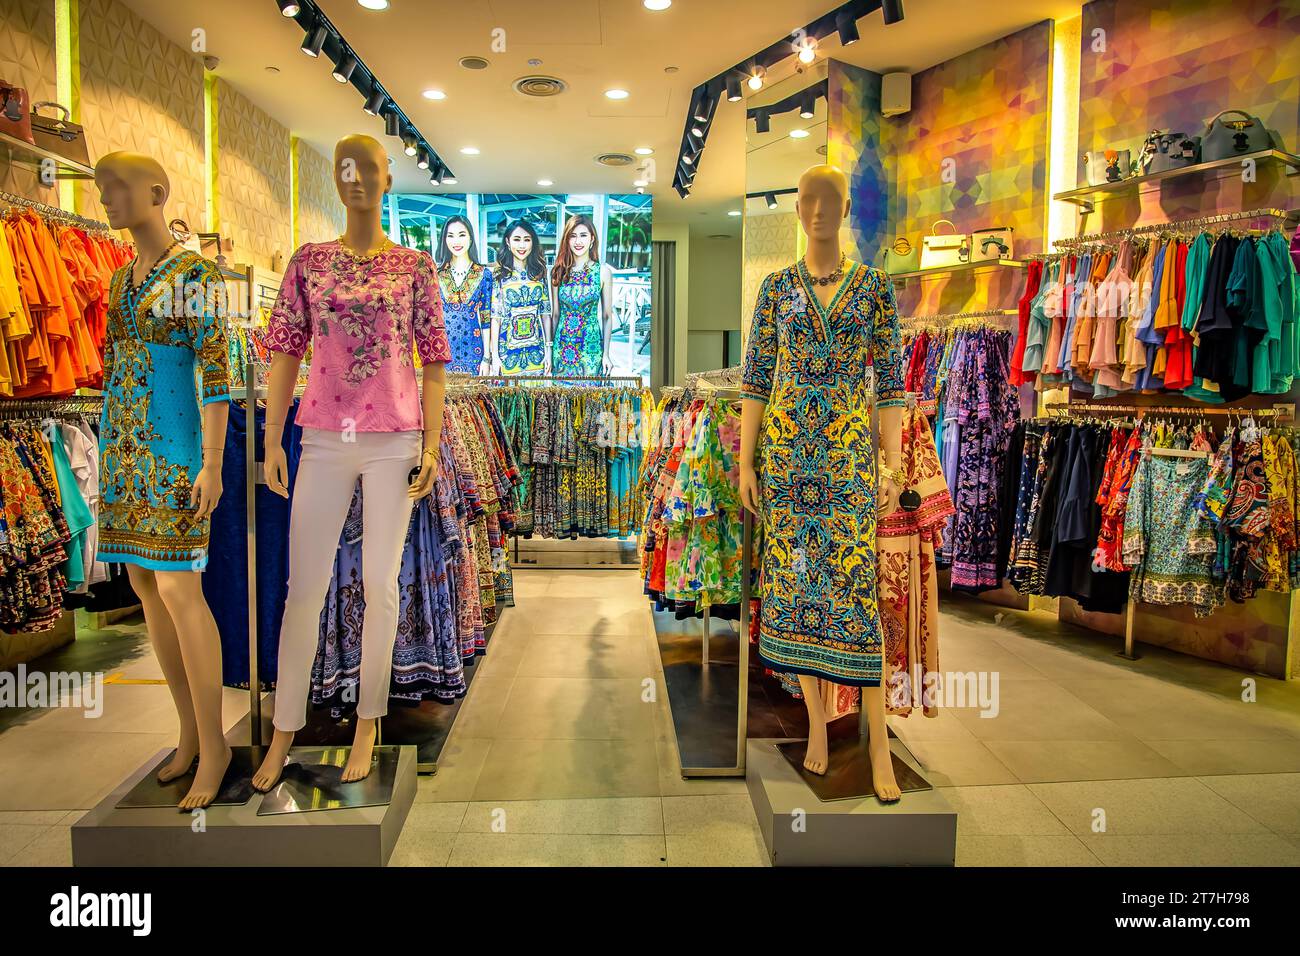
(359, 317)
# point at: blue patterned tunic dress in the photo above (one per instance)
(466, 312)
(579, 346)
(166, 355)
(817, 468)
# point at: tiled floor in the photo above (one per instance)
(564, 755)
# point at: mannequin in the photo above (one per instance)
(521, 304)
(360, 301)
(161, 449)
(466, 297)
(582, 302)
(825, 319)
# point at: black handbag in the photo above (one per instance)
(1165, 151)
(59, 135)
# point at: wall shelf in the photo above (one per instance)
(904, 277)
(17, 152)
(1088, 196)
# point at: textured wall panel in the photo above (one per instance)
(771, 243)
(27, 60)
(320, 213)
(252, 179)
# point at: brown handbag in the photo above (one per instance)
(15, 116)
(59, 134)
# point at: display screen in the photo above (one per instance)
(538, 284)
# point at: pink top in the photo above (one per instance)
(360, 317)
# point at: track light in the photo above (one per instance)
(807, 50)
(392, 123)
(762, 122)
(344, 67)
(847, 26)
(688, 159)
(808, 105)
(892, 10)
(733, 87)
(375, 103)
(698, 131)
(448, 179)
(435, 176)
(771, 200)
(288, 8)
(423, 161)
(315, 39)
(408, 144)
(704, 109)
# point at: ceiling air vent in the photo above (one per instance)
(539, 85)
(616, 160)
(473, 63)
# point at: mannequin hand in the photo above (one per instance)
(750, 496)
(887, 501)
(206, 490)
(485, 367)
(423, 483)
(276, 469)
(606, 365)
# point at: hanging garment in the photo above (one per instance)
(579, 343)
(467, 315)
(521, 309)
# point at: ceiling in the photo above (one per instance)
(592, 45)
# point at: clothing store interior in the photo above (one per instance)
(880, 413)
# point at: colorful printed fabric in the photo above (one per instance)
(579, 346)
(809, 364)
(521, 306)
(467, 313)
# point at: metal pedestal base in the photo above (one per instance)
(236, 786)
(848, 770)
(313, 780)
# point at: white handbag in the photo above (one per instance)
(942, 251)
(987, 244)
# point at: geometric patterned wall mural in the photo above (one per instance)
(853, 144)
(252, 179)
(320, 213)
(27, 60)
(141, 92)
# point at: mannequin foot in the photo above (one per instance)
(816, 758)
(182, 761)
(207, 779)
(363, 748)
(268, 774)
(882, 773)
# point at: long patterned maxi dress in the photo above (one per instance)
(521, 305)
(466, 311)
(162, 337)
(579, 347)
(818, 468)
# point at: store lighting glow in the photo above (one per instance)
(798, 134)
(698, 131)
(424, 158)
(617, 94)
(408, 145)
(315, 39)
(545, 182)
(434, 95)
(373, 4)
(703, 110)
(344, 67)
(288, 8)
(733, 212)
(656, 4)
(643, 151)
(755, 80)
(641, 182)
(375, 102)
(449, 180)
(470, 150)
(808, 50)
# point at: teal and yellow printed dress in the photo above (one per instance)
(579, 346)
(166, 355)
(817, 468)
(522, 307)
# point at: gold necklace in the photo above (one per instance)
(835, 276)
(383, 246)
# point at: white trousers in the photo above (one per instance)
(327, 475)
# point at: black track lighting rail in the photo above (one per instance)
(729, 83)
(321, 36)
(804, 101)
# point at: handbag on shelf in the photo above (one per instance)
(15, 115)
(59, 134)
(902, 256)
(1104, 166)
(1165, 151)
(1234, 137)
(944, 250)
(989, 244)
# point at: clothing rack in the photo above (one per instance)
(464, 378)
(723, 377)
(1173, 225)
(54, 212)
(955, 319)
(73, 405)
(1278, 412)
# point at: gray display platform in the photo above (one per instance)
(109, 835)
(919, 830)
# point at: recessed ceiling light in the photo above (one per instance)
(469, 150)
(733, 212)
(616, 94)
(657, 4)
(374, 4)
(434, 95)
(272, 69)
(798, 133)
(534, 62)
(644, 151)
(671, 69)
(545, 182)
(449, 180)
(641, 182)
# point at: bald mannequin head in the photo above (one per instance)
(361, 173)
(823, 202)
(133, 189)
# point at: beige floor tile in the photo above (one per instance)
(733, 845)
(563, 769)
(986, 655)
(551, 849)
(1010, 810)
(1155, 710)
(1181, 805)
(459, 766)
(627, 816)
(1203, 757)
(438, 817)
(88, 767)
(943, 726)
(1200, 849)
(422, 848)
(590, 616)
(484, 702)
(576, 708)
(1040, 761)
(1083, 660)
(52, 848)
(673, 784)
(1006, 850)
(502, 657)
(597, 657)
(598, 584)
(1039, 710)
(32, 818)
(531, 584)
(699, 814)
(16, 837)
(960, 763)
(1271, 798)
